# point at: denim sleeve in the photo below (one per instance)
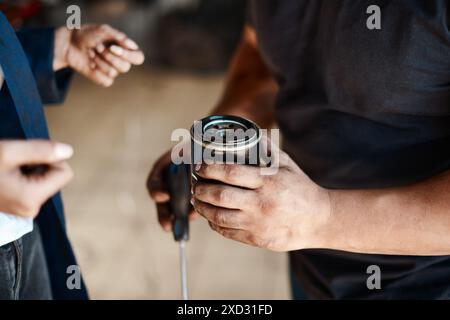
(38, 45)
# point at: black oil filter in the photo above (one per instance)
(224, 139)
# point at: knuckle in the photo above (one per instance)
(269, 244)
(266, 206)
(219, 218)
(252, 239)
(110, 58)
(27, 208)
(284, 159)
(212, 226)
(198, 207)
(230, 172)
(206, 170)
(225, 233)
(222, 195)
(259, 242)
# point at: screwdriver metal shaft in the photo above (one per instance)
(180, 195)
(183, 270)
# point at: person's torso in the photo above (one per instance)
(11, 226)
(21, 117)
(361, 108)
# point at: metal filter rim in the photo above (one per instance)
(232, 146)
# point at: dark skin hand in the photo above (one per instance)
(407, 220)
(250, 92)
(158, 190)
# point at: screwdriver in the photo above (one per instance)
(180, 197)
(34, 170)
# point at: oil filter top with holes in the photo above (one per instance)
(224, 139)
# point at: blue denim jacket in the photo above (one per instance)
(27, 62)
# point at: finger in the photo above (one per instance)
(157, 183)
(118, 63)
(54, 179)
(233, 174)
(22, 152)
(233, 234)
(160, 196)
(164, 216)
(133, 57)
(228, 218)
(225, 196)
(120, 37)
(271, 154)
(96, 75)
(105, 67)
(193, 214)
(91, 54)
(100, 48)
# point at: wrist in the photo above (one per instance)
(61, 48)
(320, 235)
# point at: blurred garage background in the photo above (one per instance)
(119, 132)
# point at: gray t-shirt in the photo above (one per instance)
(362, 108)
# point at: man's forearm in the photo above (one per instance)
(250, 89)
(412, 220)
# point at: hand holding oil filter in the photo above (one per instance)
(281, 212)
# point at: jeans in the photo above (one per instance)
(23, 269)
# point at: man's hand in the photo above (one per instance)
(98, 52)
(23, 195)
(158, 190)
(281, 212)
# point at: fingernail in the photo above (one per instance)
(92, 65)
(63, 151)
(118, 51)
(131, 44)
(192, 202)
(100, 48)
(198, 166)
(108, 82)
(112, 73)
(91, 54)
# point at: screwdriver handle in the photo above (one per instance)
(34, 170)
(180, 199)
